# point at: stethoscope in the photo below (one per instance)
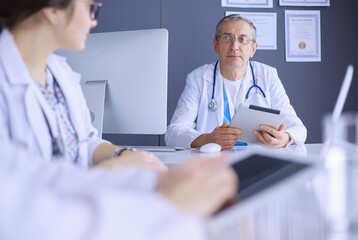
(213, 105)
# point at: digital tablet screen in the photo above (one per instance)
(250, 117)
(258, 172)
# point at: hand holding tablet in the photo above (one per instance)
(249, 118)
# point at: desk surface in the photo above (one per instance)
(169, 158)
(294, 210)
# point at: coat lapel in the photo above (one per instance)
(209, 78)
(68, 81)
(247, 82)
(20, 79)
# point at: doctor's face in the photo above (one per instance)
(75, 24)
(232, 53)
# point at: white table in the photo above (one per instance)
(169, 158)
(292, 210)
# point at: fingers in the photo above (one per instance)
(227, 133)
(157, 164)
(220, 184)
(199, 186)
(154, 162)
(282, 127)
(225, 136)
(272, 137)
(143, 159)
(260, 138)
(229, 130)
(227, 189)
(270, 130)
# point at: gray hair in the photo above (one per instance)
(237, 18)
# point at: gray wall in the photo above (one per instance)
(312, 87)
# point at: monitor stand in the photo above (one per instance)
(94, 92)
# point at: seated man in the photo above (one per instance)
(214, 91)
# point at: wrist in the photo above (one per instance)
(201, 140)
(118, 151)
(289, 142)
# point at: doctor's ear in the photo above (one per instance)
(215, 42)
(254, 48)
(51, 14)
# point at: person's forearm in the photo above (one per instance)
(103, 152)
(200, 141)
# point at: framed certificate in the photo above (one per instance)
(303, 36)
(306, 3)
(266, 27)
(247, 3)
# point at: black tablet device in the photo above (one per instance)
(259, 172)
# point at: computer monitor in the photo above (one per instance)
(135, 66)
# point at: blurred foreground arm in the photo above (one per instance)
(102, 157)
(199, 186)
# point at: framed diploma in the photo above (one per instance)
(247, 3)
(305, 3)
(266, 28)
(303, 36)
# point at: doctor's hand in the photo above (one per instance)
(225, 136)
(272, 137)
(137, 158)
(199, 186)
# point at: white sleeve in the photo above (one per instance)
(181, 131)
(280, 100)
(57, 201)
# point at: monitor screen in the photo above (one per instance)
(135, 66)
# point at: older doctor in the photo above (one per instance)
(202, 115)
(41, 103)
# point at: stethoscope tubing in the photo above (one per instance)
(212, 105)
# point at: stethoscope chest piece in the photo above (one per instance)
(213, 105)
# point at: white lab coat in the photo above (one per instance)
(192, 116)
(22, 106)
(45, 200)
(41, 200)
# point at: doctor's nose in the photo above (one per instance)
(235, 45)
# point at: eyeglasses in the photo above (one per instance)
(94, 9)
(231, 38)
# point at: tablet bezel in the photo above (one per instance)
(249, 119)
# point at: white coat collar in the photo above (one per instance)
(11, 59)
(209, 72)
(18, 76)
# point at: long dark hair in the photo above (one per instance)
(14, 11)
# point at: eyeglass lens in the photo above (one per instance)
(94, 10)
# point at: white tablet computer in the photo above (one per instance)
(249, 118)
